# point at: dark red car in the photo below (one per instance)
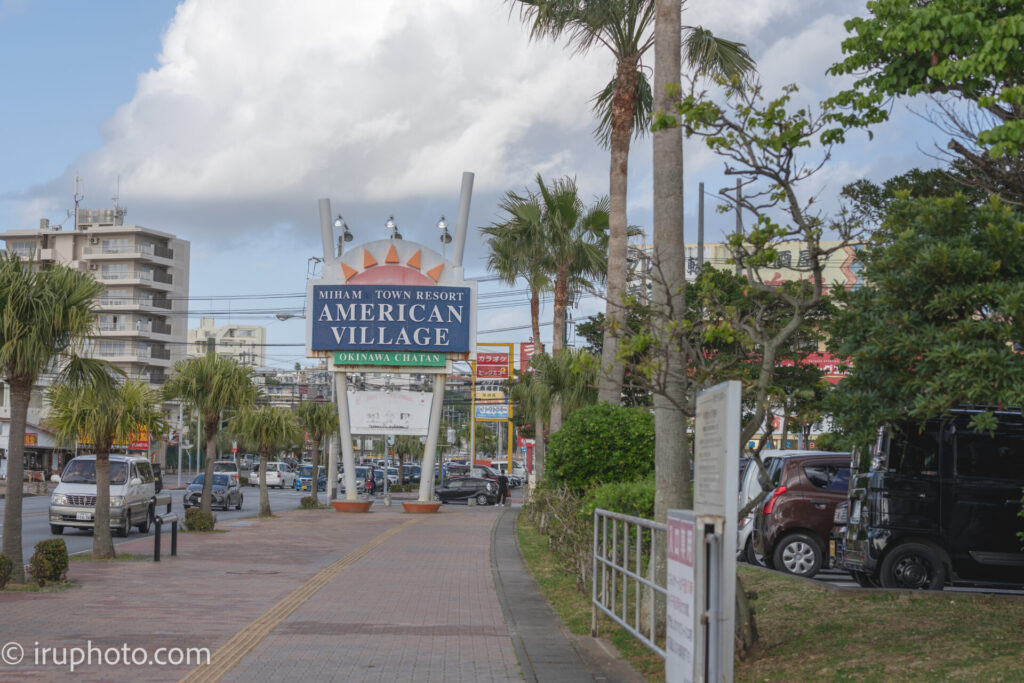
(793, 526)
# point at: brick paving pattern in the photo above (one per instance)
(420, 606)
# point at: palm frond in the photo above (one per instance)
(641, 113)
(709, 55)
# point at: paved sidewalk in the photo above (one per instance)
(310, 595)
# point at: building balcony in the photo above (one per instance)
(154, 279)
(144, 303)
(158, 327)
(132, 251)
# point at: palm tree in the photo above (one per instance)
(211, 384)
(516, 250)
(268, 429)
(44, 315)
(103, 413)
(533, 399)
(407, 446)
(319, 421)
(624, 108)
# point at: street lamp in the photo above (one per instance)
(446, 237)
(346, 234)
(393, 227)
(288, 316)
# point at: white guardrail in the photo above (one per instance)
(620, 588)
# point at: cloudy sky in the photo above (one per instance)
(223, 121)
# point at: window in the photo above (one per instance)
(818, 475)
(117, 245)
(22, 248)
(111, 348)
(145, 472)
(114, 271)
(912, 451)
(829, 477)
(245, 333)
(996, 457)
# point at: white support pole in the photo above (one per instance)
(462, 222)
(348, 459)
(327, 233)
(430, 449)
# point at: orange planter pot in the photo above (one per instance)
(352, 505)
(421, 508)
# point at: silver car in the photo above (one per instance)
(132, 495)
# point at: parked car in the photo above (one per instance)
(132, 494)
(225, 493)
(793, 526)
(304, 478)
(483, 491)
(279, 474)
(937, 502)
(226, 467)
(750, 488)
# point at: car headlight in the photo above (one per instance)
(116, 501)
(58, 499)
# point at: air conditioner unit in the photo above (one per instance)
(94, 240)
(93, 266)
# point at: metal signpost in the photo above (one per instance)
(492, 404)
(702, 546)
(392, 306)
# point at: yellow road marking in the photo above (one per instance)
(242, 643)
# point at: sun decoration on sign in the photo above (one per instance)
(392, 271)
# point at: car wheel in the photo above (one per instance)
(750, 556)
(798, 554)
(913, 565)
(123, 531)
(239, 506)
(481, 499)
(864, 580)
(144, 524)
(56, 529)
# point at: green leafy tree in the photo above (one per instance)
(102, 413)
(962, 52)
(319, 421)
(635, 391)
(936, 322)
(213, 385)
(532, 401)
(602, 443)
(623, 108)
(44, 316)
(268, 429)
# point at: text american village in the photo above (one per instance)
(423, 310)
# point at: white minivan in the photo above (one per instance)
(132, 494)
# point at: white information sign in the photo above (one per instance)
(716, 474)
(389, 412)
(681, 604)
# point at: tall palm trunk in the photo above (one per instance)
(264, 509)
(539, 449)
(21, 394)
(558, 335)
(671, 450)
(535, 318)
(623, 109)
(211, 425)
(102, 543)
(316, 473)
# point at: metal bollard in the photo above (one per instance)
(159, 521)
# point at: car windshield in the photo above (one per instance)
(225, 467)
(306, 471)
(218, 480)
(84, 472)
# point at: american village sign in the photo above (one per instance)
(392, 306)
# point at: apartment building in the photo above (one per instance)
(143, 315)
(245, 343)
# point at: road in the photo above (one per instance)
(36, 521)
(842, 579)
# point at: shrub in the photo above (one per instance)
(602, 443)
(50, 561)
(197, 520)
(556, 511)
(628, 497)
(6, 571)
(308, 503)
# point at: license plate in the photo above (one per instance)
(84, 516)
(831, 548)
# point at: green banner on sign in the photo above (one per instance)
(409, 358)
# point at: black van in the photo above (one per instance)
(936, 502)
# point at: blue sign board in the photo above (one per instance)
(390, 318)
(492, 412)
